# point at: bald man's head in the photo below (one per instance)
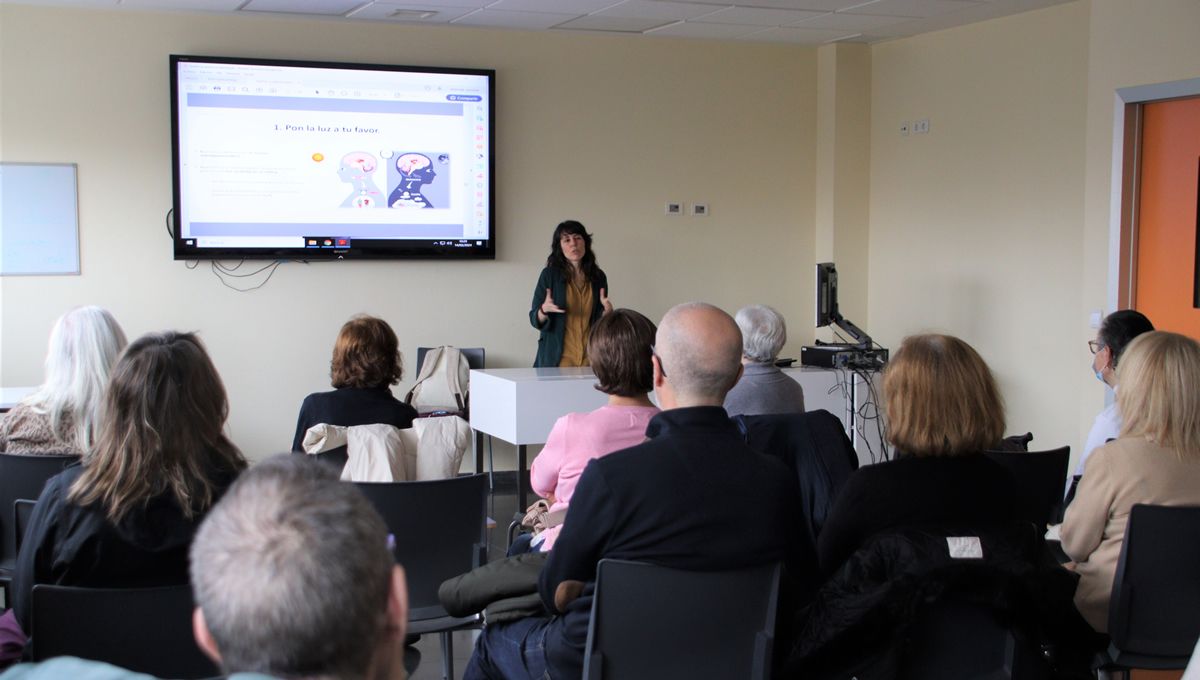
(700, 350)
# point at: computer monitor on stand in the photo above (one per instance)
(858, 354)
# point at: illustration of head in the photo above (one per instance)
(357, 165)
(416, 166)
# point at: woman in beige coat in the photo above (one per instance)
(1155, 461)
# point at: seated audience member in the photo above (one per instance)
(1155, 461)
(365, 364)
(763, 388)
(692, 497)
(294, 579)
(126, 517)
(943, 410)
(60, 417)
(1116, 332)
(619, 348)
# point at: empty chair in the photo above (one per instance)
(658, 623)
(440, 532)
(1041, 477)
(21, 477)
(1154, 613)
(475, 360)
(143, 629)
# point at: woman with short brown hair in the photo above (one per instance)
(365, 364)
(619, 344)
(943, 410)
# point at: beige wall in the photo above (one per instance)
(602, 129)
(976, 227)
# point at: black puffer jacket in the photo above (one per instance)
(858, 624)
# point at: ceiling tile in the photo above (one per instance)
(913, 8)
(653, 9)
(843, 21)
(552, 6)
(473, 4)
(323, 7)
(199, 5)
(693, 29)
(528, 20)
(378, 11)
(799, 36)
(753, 16)
(596, 22)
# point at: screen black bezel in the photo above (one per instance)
(360, 249)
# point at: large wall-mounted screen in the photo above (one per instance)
(315, 160)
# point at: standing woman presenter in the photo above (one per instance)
(571, 294)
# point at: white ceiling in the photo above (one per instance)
(803, 22)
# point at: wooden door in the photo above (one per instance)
(1167, 281)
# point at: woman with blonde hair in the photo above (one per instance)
(943, 410)
(125, 517)
(1155, 461)
(60, 417)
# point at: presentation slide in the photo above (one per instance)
(282, 156)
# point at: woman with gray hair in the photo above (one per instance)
(60, 417)
(763, 388)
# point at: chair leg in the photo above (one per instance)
(447, 656)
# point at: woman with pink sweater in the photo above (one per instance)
(619, 347)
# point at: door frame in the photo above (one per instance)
(1127, 135)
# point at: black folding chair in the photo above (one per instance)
(1154, 611)
(651, 622)
(959, 640)
(21, 477)
(148, 630)
(1041, 477)
(440, 531)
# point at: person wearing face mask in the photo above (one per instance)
(1116, 332)
(570, 295)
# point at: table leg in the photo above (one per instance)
(522, 479)
(478, 452)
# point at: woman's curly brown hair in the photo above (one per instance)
(366, 354)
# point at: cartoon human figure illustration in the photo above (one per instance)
(357, 169)
(416, 170)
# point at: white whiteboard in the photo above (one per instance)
(39, 219)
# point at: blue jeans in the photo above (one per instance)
(515, 650)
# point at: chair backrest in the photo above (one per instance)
(954, 639)
(22, 511)
(1041, 477)
(815, 446)
(1155, 604)
(440, 531)
(654, 622)
(142, 629)
(22, 476)
(443, 379)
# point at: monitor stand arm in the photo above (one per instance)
(859, 335)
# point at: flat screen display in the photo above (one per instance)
(316, 160)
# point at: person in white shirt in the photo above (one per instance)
(1116, 332)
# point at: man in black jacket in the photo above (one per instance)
(693, 496)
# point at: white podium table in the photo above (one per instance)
(521, 405)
